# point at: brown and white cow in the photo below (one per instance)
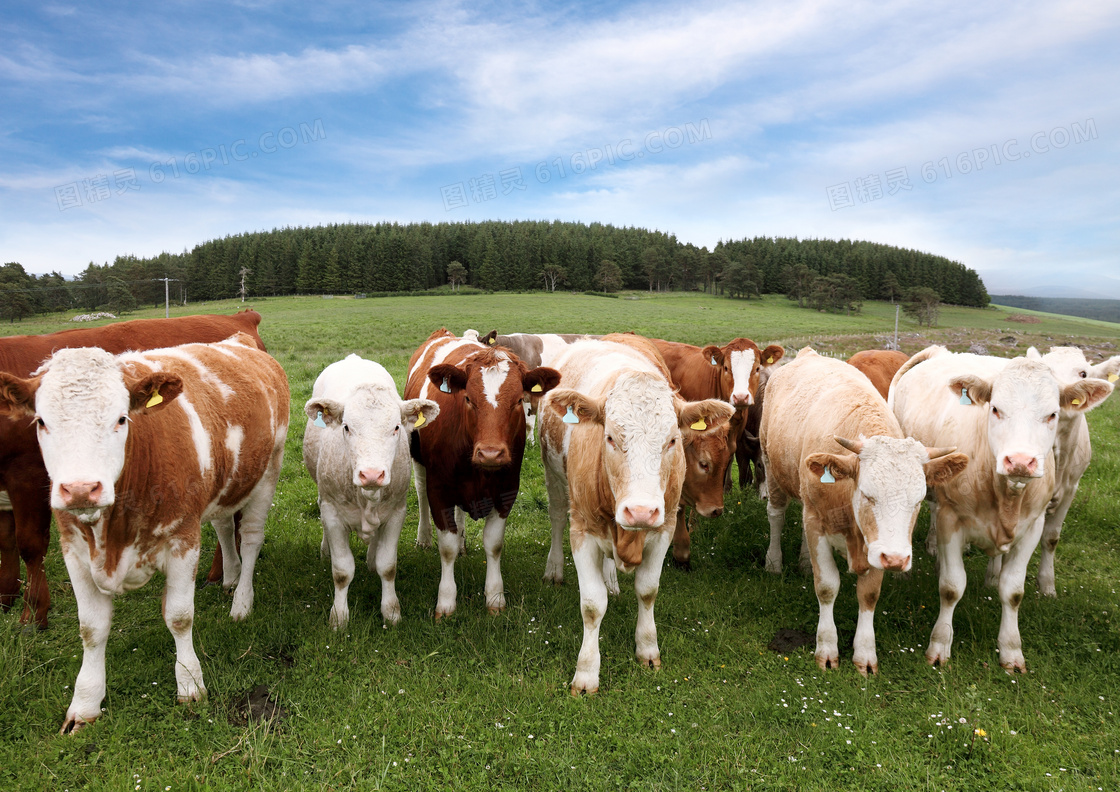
(611, 441)
(25, 513)
(1072, 454)
(863, 503)
(141, 448)
(470, 459)
(1004, 415)
(879, 366)
(731, 373)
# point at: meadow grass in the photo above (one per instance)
(481, 702)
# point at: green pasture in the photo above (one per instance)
(481, 702)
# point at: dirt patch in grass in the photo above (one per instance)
(1023, 319)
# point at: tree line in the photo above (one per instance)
(495, 256)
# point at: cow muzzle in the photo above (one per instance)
(372, 478)
(637, 518)
(1021, 466)
(491, 457)
(81, 495)
(741, 400)
(895, 562)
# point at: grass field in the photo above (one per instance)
(481, 702)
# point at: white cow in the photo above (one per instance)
(1004, 414)
(863, 504)
(1072, 453)
(359, 460)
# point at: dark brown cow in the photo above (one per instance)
(25, 528)
(729, 373)
(470, 458)
(534, 349)
(879, 366)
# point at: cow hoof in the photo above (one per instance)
(827, 661)
(937, 658)
(75, 723)
(867, 668)
(495, 610)
(774, 566)
(198, 694)
(556, 580)
(577, 690)
(684, 566)
(1016, 664)
(1047, 590)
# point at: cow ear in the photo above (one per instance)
(150, 392)
(1085, 394)
(712, 355)
(490, 338)
(416, 413)
(326, 412)
(1033, 354)
(979, 390)
(771, 355)
(584, 408)
(945, 468)
(454, 376)
(539, 381)
(702, 416)
(834, 466)
(17, 395)
(1109, 370)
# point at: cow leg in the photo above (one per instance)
(587, 556)
(336, 535)
(424, 526)
(32, 515)
(992, 573)
(461, 525)
(382, 558)
(682, 541)
(647, 580)
(804, 563)
(253, 517)
(951, 582)
(178, 615)
(493, 538)
(9, 560)
(95, 617)
(610, 575)
(558, 519)
(231, 560)
(1012, 581)
(448, 552)
(868, 586)
(217, 571)
(776, 512)
(530, 424)
(1051, 533)
(826, 582)
(931, 537)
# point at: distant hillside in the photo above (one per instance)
(1105, 310)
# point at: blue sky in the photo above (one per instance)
(986, 132)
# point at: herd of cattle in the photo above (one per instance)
(136, 433)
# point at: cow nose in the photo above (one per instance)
(641, 516)
(1020, 465)
(80, 494)
(371, 477)
(491, 456)
(716, 513)
(894, 561)
(739, 399)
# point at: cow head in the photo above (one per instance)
(889, 477)
(373, 421)
(739, 364)
(1023, 402)
(492, 385)
(641, 424)
(709, 447)
(82, 401)
(1069, 365)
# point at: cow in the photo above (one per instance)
(731, 373)
(356, 448)
(863, 503)
(1072, 453)
(141, 448)
(470, 459)
(1004, 415)
(879, 366)
(25, 513)
(611, 441)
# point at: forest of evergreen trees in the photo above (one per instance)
(492, 255)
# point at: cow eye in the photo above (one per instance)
(396, 428)
(122, 420)
(995, 412)
(346, 428)
(1084, 374)
(40, 423)
(1051, 417)
(704, 466)
(610, 441)
(672, 443)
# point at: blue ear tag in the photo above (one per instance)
(570, 417)
(714, 361)
(826, 477)
(319, 420)
(964, 397)
(443, 386)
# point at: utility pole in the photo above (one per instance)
(244, 271)
(167, 295)
(896, 310)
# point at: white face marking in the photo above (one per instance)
(742, 364)
(1024, 397)
(493, 377)
(373, 432)
(892, 482)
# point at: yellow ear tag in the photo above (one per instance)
(769, 360)
(492, 341)
(156, 399)
(536, 389)
(1113, 377)
(699, 426)
(1077, 401)
(420, 421)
